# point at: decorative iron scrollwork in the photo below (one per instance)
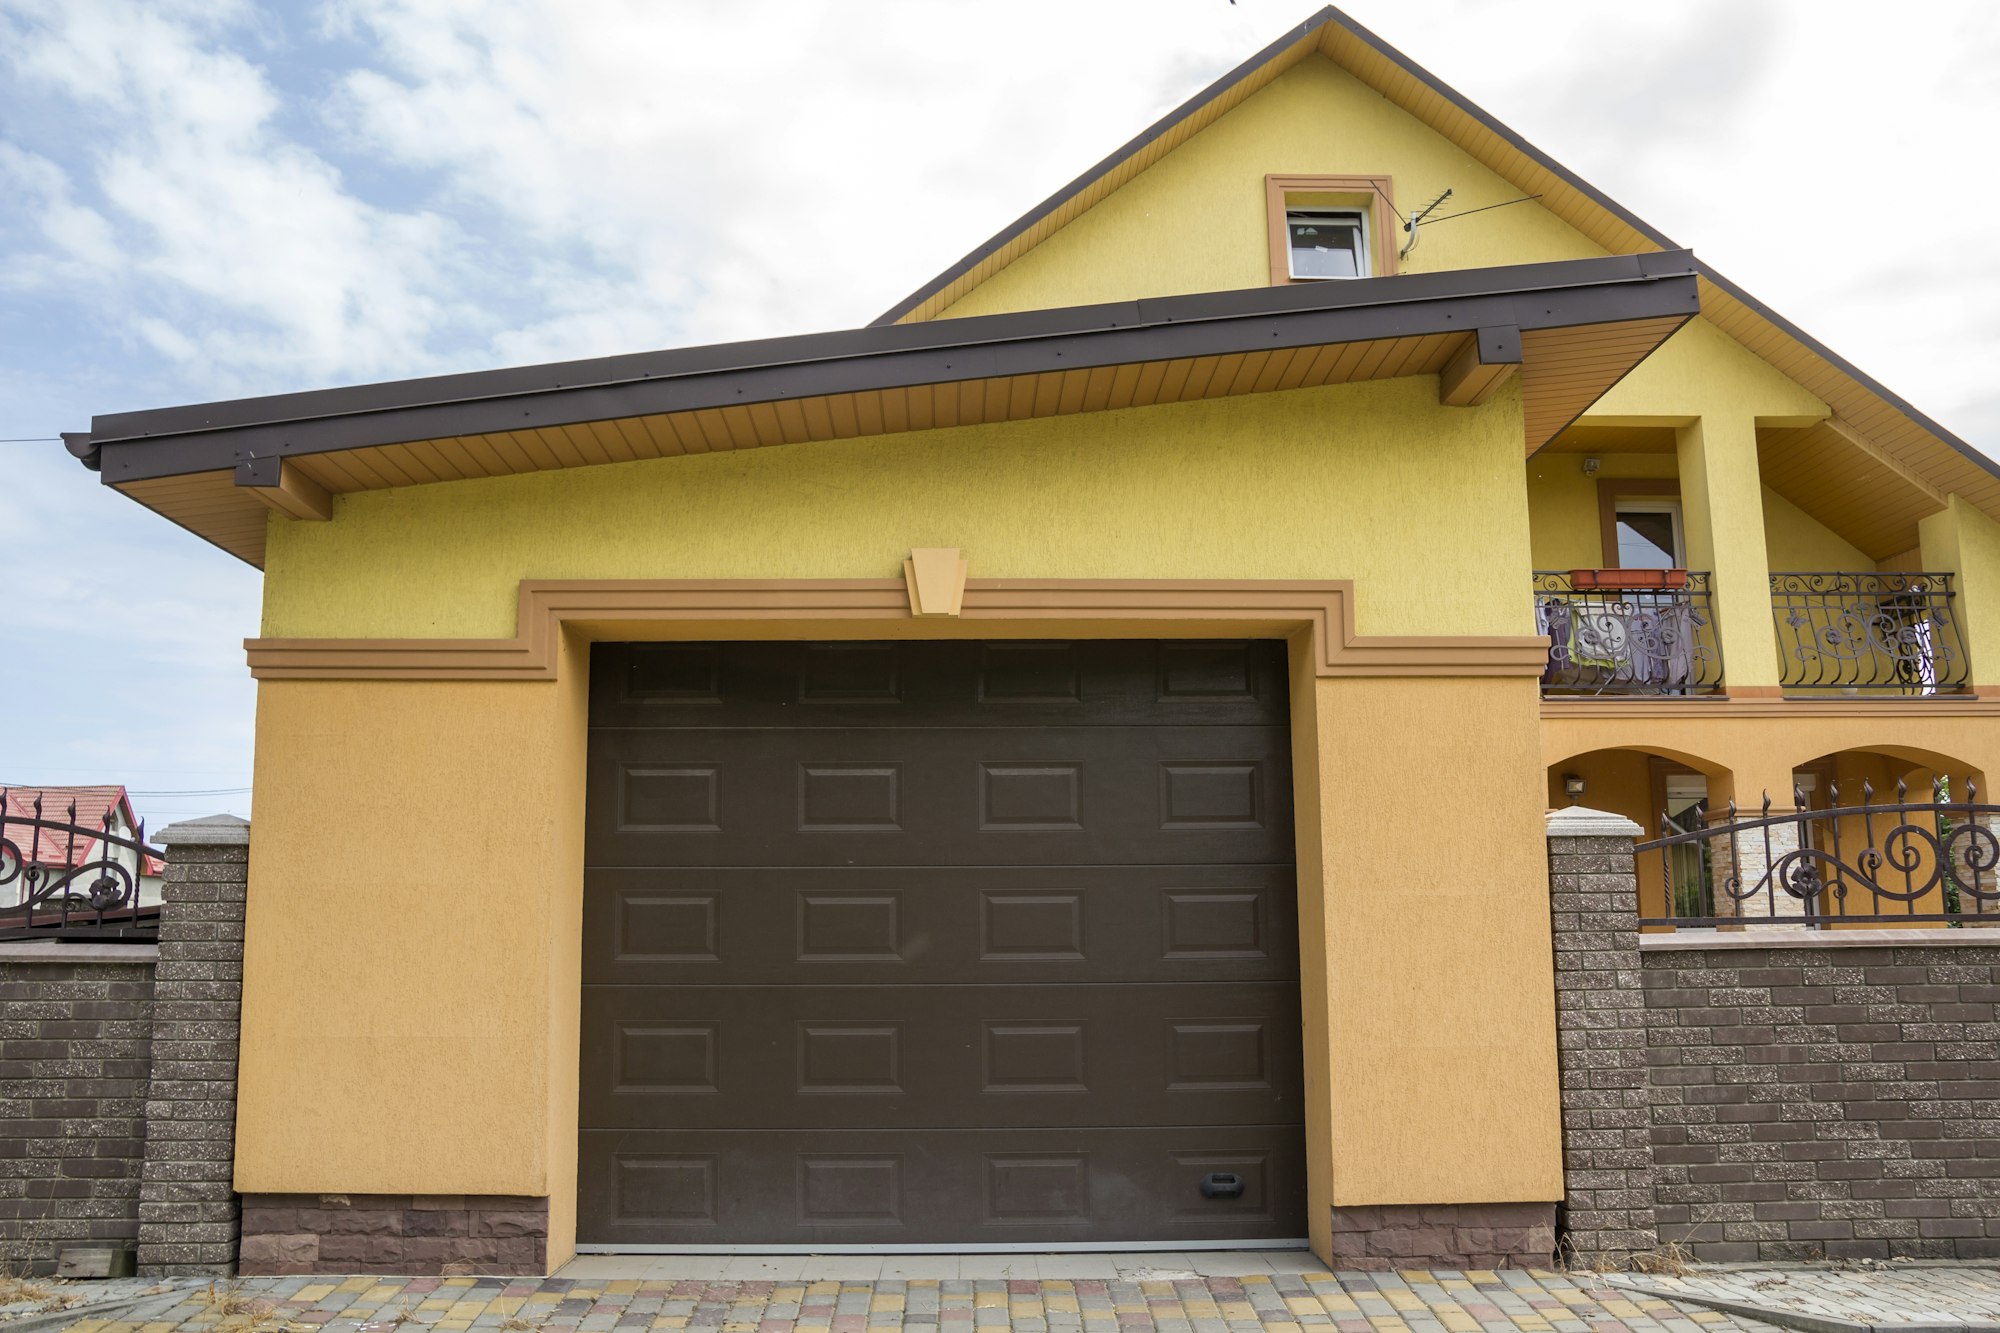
(1627, 641)
(1880, 862)
(60, 876)
(1856, 631)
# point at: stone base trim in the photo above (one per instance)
(422, 1235)
(1444, 1235)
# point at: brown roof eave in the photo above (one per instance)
(210, 437)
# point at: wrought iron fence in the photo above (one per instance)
(63, 879)
(1880, 862)
(1657, 640)
(1868, 632)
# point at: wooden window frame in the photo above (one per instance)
(1610, 490)
(1372, 194)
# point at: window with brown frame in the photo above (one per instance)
(1330, 227)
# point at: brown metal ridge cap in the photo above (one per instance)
(1533, 296)
(1327, 15)
(1848, 368)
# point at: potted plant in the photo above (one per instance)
(1628, 580)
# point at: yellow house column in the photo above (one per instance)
(1722, 510)
(1965, 543)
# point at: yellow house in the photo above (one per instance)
(975, 779)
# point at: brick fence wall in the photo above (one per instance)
(1771, 1093)
(1826, 1101)
(118, 1076)
(75, 1027)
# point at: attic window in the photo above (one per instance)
(1325, 243)
(1324, 227)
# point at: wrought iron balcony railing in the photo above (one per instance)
(1868, 633)
(1604, 639)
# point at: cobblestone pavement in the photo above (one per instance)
(1903, 1295)
(1409, 1302)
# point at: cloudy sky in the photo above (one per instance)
(203, 199)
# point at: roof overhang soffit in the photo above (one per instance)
(1572, 329)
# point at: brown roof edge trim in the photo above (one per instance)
(1849, 369)
(803, 349)
(1312, 26)
(1575, 292)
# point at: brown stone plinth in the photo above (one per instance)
(1444, 1235)
(420, 1235)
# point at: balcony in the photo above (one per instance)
(1650, 632)
(1615, 632)
(1868, 634)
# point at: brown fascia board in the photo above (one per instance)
(175, 441)
(1334, 16)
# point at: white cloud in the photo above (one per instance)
(227, 245)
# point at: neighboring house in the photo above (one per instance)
(1064, 764)
(55, 852)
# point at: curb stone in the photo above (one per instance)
(1799, 1319)
(147, 1307)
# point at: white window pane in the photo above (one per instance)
(1646, 541)
(1326, 246)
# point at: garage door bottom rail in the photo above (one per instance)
(1016, 1189)
(1291, 1244)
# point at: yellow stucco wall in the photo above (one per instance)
(1750, 753)
(1794, 539)
(1965, 542)
(1195, 221)
(1441, 994)
(413, 854)
(1565, 529)
(1422, 505)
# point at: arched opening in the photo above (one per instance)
(1887, 867)
(1663, 792)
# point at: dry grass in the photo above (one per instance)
(49, 1294)
(227, 1305)
(513, 1323)
(1671, 1260)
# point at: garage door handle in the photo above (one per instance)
(1222, 1185)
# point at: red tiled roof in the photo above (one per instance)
(54, 848)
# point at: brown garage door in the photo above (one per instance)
(939, 943)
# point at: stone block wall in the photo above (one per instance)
(1768, 1093)
(394, 1233)
(187, 1196)
(1601, 1027)
(1827, 1100)
(75, 1026)
(1444, 1235)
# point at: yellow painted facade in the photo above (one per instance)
(1360, 481)
(1429, 1018)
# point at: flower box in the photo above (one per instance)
(1625, 580)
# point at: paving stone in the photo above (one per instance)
(1508, 1301)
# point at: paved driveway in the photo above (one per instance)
(1167, 1301)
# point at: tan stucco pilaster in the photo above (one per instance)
(1723, 513)
(1965, 543)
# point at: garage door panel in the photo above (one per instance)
(967, 796)
(1015, 683)
(940, 1056)
(894, 943)
(903, 924)
(889, 1188)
